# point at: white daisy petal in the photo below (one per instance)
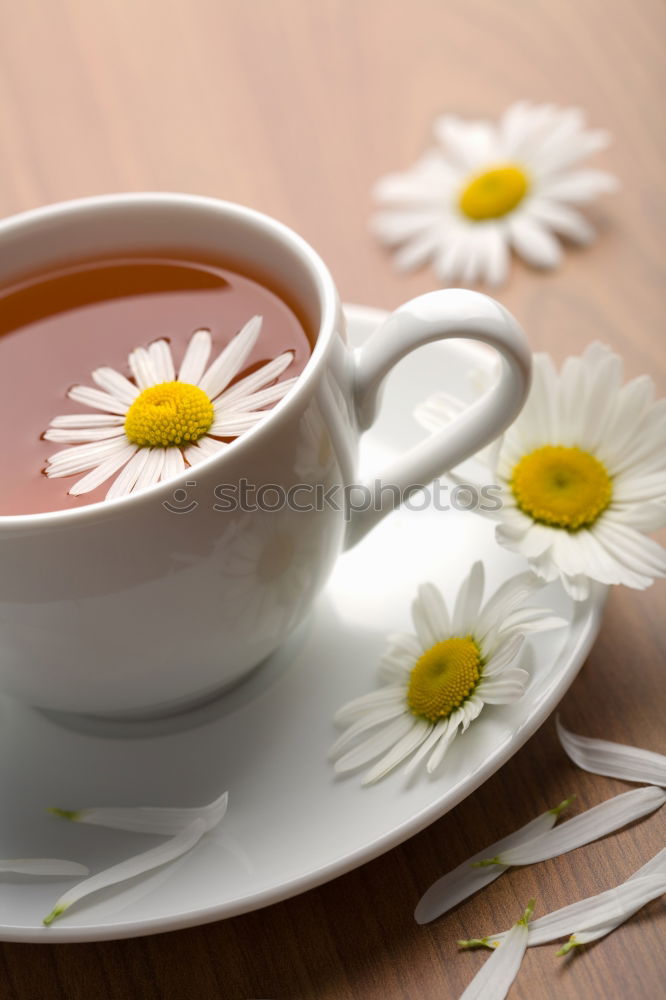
(151, 470)
(166, 820)
(84, 434)
(389, 695)
(125, 482)
(234, 424)
(496, 269)
(422, 185)
(208, 446)
(438, 732)
(138, 865)
(194, 454)
(400, 750)
(231, 402)
(396, 227)
(529, 620)
(142, 368)
(405, 644)
(533, 242)
(597, 915)
(41, 866)
(468, 601)
(579, 186)
(562, 220)
(115, 384)
(196, 357)
(452, 258)
(430, 615)
(494, 979)
(97, 400)
(376, 744)
(510, 686)
(377, 717)
(159, 353)
(469, 144)
(465, 880)
(445, 740)
(644, 518)
(597, 822)
(174, 463)
(255, 381)
(632, 899)
(508, 596)
(81, 457)
(73, 420)
(614, 760)
(230, 361)
(633, 552)
(102, 472)
(417, 251)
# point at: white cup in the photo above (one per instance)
(146, 603)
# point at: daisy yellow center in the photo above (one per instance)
(494, 193)
(443, 678)
(563, 487)
(169, 414)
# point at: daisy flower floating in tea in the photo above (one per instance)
(582, 471)
(491, 187)
(154, 427)
(437, 679)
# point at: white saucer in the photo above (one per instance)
(291, 823)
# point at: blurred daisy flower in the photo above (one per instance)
(582, 471)
(490, 187)
(437, 680)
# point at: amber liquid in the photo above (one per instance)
(57, 328)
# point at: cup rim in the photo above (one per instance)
(59, 212)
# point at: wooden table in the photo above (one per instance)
(295, 107)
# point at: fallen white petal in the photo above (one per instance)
(588, 826)
(494, 979)
(614, 760)
(42, 866)
(149, 819)
(601, 913)
(606, 911)
(464, 881)
(138, 865)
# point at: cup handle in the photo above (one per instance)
(440, 315)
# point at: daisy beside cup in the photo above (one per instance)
(582, 472)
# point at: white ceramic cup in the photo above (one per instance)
(144, 604)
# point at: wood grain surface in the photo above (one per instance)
(295, 107)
